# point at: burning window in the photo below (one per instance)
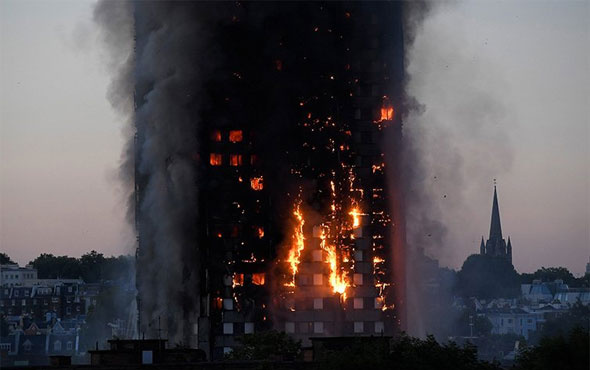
(256, 183)
(216, 135)
(217, 303)
(215, 159)
(258, 278)
(260, 232)
(235, 136)
(386, 113)
(235, 160)
(238, 280)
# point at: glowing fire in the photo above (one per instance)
(356, 217)
(298, 245)
(337, 279)
(387, 113)
(256, 183)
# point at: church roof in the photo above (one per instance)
(495, 227)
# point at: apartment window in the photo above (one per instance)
(253, 159)
(227, 350)
(27, 293)
(24, 302)
(68, 310)
(235, 136)
(228, 328)
(215, 159)
(235, 160)
(358, 279)
(358, 303)
(317, 255)
(378, 303)
(257, 183)
(216, 135)
(69, 346)
(27, 345)
(290, 327)
(258, 279)
(317, 279)
(358, 255)
(249, 328)
(16, 293)
(228, 304)
(318, 327)
(359, 327)
(379, 327)
(318, 303)
(57, 346)
(6, 347)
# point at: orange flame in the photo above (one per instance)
(257, 183)
(298, 245)
(337, 279)
(387, 113)
(356, 219)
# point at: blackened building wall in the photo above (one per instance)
(292, 111)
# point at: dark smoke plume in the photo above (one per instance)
(455, 142)
(163, 76)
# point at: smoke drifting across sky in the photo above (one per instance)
(504, 93)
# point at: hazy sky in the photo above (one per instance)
(60, 142)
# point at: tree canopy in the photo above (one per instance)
(5, 259)
(92, 267)
(485, 276)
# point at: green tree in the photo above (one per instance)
(268, 345)
(51, 267)
(576, 316)
(91, 265)
(415, 354)
(484, 276)
(559, 352)
(5, 259)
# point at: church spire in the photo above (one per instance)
(495, 227)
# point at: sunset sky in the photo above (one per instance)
(60, 141)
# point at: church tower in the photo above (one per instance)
(496, 245)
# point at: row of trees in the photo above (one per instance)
(92, 267)
(567, 351)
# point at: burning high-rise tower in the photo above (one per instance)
(265, 134)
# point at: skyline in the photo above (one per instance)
(51, 57)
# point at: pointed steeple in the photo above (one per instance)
(482, 247)
(495, 227)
